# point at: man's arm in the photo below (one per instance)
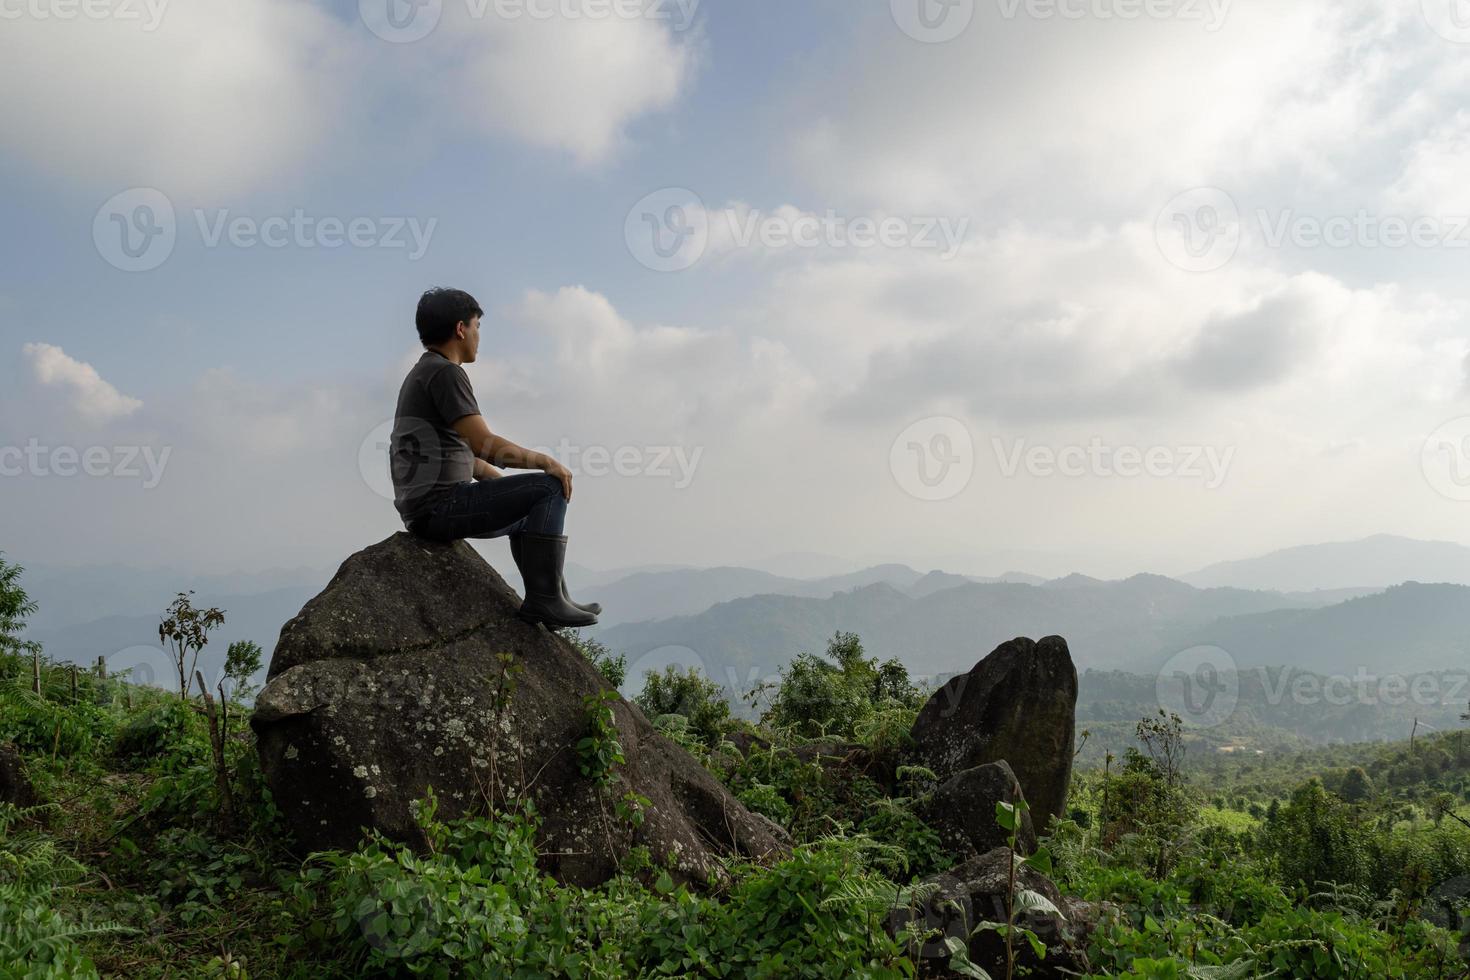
(497, 450)
(494, 449)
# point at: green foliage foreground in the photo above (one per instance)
(128, 870)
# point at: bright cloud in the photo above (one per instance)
(93, 398)
(208, 98)
(569, 84)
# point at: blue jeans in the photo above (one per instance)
(530, 502)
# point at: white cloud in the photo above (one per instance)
(92, 397)
(220, 98)
(569, 84)
(1433, 179)
(1030, 328)
(1070, 121)
(608, 377)
(263, 420)
(217, 96)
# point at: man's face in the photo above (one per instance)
(471, 340)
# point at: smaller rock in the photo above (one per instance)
(975, 892)
(1084, 917)
(1018, 704)
(962, 812)
(747, 742)
(1443, 902)
(15, 784)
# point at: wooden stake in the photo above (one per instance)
(36, 671)
(73, 683)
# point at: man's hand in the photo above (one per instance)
(561, 473)
(484, 471)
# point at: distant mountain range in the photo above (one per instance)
(1379, 561)
(67, 596)
(132, 641)
(1409, 628)
(1327, 612)
(1126, 624)
(687, 591)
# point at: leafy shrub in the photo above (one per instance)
(916, 845)
(476, 902)
(1315, 839)
(196, 873)
(43, 726)
(613, 668)
(767, 801)
(168, 737)
(38, 941)
(688, 693)
(1307, 943)
(840, 696)
(820, 913)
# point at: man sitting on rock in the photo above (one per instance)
(444, 485)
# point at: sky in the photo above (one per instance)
(1104, 285)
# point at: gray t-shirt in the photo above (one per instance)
(427, 457)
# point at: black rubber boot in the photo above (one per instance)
(595, 608)
(541, 558)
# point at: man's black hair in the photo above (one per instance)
(441, 310)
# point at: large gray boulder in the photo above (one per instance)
(411, 670)
(1018, 705)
